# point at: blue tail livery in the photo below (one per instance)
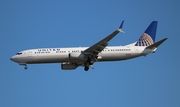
(148, 37)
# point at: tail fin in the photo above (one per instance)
(148, 37)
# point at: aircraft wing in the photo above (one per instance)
(99, 46)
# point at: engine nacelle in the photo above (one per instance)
(68, 66)
(76, 55)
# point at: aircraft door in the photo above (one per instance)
(29, 54)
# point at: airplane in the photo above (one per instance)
(71, 58)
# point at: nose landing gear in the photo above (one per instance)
(25, 66)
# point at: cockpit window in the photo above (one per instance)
(18, 53)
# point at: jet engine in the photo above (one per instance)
(68, 66)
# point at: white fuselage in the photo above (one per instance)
(71, 58)
(61, 55)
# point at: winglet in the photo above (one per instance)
(120, 27)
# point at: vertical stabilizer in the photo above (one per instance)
(148, 37)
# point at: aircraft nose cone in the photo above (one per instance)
(13, 58)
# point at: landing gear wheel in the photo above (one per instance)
(91, 63)
(25, 67)
(86, 68)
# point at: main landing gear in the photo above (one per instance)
(86, 68)
(88, 63)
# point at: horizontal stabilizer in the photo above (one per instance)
(155, 45)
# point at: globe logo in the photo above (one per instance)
(144, 40)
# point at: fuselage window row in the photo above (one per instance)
(42, 52)
(118, 50)
(79, 51)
